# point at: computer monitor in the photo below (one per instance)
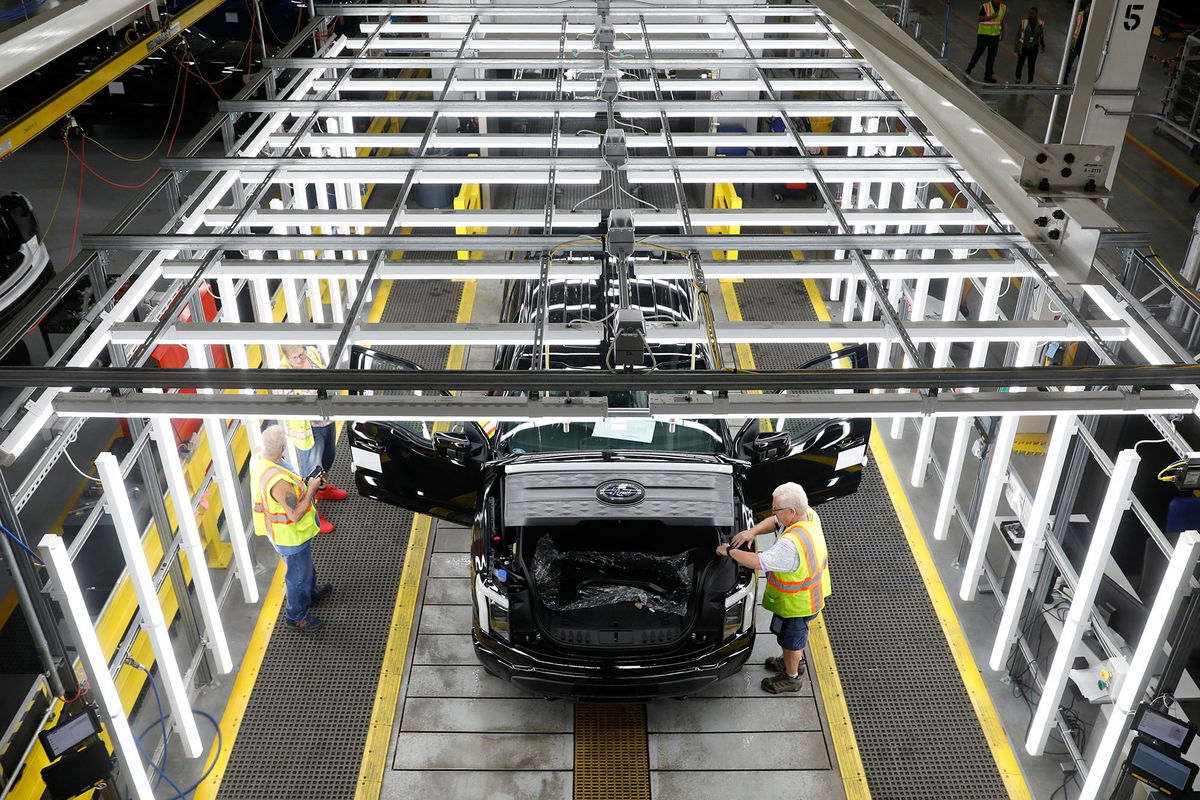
(1154, 766)
(69, 734)
(1161, 726)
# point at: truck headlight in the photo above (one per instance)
(733, 617)
(497, 616)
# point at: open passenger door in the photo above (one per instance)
(825, 456)
(430, 468)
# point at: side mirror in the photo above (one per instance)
(452, 445)
(770, 445)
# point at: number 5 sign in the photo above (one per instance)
(1133, 16)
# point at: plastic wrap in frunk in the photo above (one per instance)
(577, 579)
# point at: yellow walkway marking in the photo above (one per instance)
(243, 685)
(989, 721)
(379, 733)
(824, 665)
(391, 672)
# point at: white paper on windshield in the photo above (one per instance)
(366, 459)
(627, 430)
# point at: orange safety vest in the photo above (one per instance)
(801, 593)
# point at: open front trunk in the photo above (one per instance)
(617, 583)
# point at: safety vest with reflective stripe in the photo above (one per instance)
(300, 430)
(993, 27)
(801, 593)
(270, 516)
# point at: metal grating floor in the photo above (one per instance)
(916, 728)
(611, 755)
(306, 724)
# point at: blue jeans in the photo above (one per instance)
(791, 632)
(299, 579)
(324, 440)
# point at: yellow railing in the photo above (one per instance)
(725, 196)
(469, 197)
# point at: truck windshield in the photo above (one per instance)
(617, 433)
(686, 436)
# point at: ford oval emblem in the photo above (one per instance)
(620, 492)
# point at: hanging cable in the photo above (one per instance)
(58, 200)
(23, 546)
(78, 201)
(179, 75)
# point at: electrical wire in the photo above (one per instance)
(573, 244)
(180, 794)
(78, 201)
(61, 186)
(1171, 274)
(589, 197)
(633, 197)
(166, 125)
(81, 158)
(660, 247)
(71, 461)
(23, 546)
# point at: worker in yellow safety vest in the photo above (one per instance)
(987, 40)
(1031, 39)
(797, 568)
(315, 440)
(1077, 31)
(284, 513)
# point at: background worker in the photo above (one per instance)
(315, 440)
(1077, 31)
(797, 580)
(284, 513)
(1031, 38)
(987, 39)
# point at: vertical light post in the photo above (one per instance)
(181, 497)
(231, 499)
(1116, 500)
(155, 625)
(1150, 643)
(79, 621)
(1035, 534)
(993, 485)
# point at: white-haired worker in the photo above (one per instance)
(284, 513)
(797, 580)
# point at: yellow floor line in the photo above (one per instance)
(243, 686)
(989, 721)
(466, 306)
(379, 734)
(252, 660)
(391, 672)
(825, 671)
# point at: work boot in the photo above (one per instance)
(332, 493)
(323, 591)
(779, 684)
(309, 624)
(326, 525)
(775, 664)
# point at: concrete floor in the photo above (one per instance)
(1155, 173)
